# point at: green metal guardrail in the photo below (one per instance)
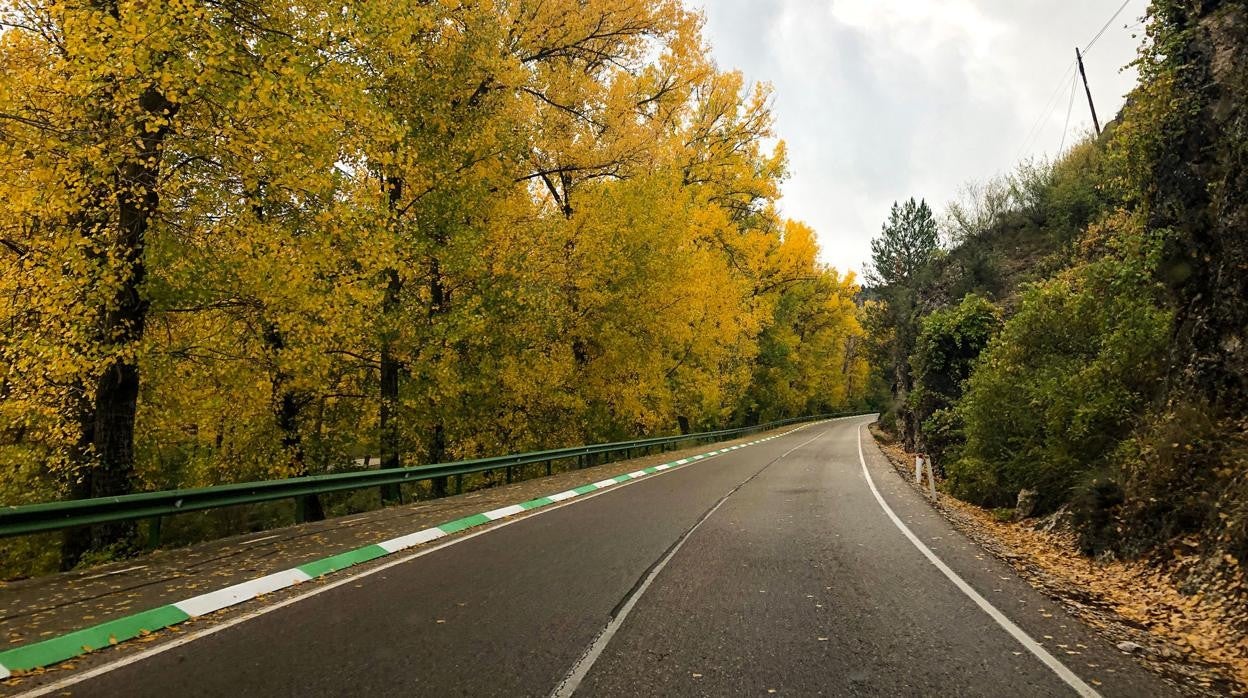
(52, 516)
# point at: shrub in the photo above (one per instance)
(1063, 383)
(948, 344)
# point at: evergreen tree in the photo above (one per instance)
(908, 242)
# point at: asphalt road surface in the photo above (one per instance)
(770, 570)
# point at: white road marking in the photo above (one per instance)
(263, 538)
(504, 512)
(217, 600)
(1016, 632)
(109, 574)
(579, 671)
(412, 539)
(189, 637)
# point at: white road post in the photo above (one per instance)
(921, 460)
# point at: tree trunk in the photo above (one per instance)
(683, 423)
(438, 304)
(114, 400)
(77, 541)
(436, 450)
(387, 419)
(288, 405)
(387, 422)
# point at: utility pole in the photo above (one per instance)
(1088, 90)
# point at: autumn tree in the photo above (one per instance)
(424, 230)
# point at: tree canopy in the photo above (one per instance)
(262, 239)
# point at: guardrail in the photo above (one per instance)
(52, 516)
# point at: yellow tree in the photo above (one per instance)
(92, 96)
(809, 359)
(118, 122)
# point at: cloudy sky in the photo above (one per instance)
(885, 99)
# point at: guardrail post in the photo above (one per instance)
(509, 474)
(153, 533)
(459, 484)
(548, 467)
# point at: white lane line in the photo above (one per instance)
(109, 574)
(189, 637)
(578, 672)
(264, 538)
(1016, 632)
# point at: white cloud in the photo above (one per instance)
(885, 99)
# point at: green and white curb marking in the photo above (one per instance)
(65, 647)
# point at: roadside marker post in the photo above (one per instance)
(921, 461)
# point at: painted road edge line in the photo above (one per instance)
(79, 642)
(1064, 673)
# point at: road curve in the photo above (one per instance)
(770, 570)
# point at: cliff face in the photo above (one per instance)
(1187, 468)
(1202, 195)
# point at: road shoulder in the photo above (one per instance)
(1119, 602)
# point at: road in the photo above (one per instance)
(773, 569)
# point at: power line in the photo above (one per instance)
(1071, 72)
(1074, 86)
(1047, 110)
(1101, 33)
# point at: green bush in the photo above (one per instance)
(945, 351)
(943, 435)
(1063, 383)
